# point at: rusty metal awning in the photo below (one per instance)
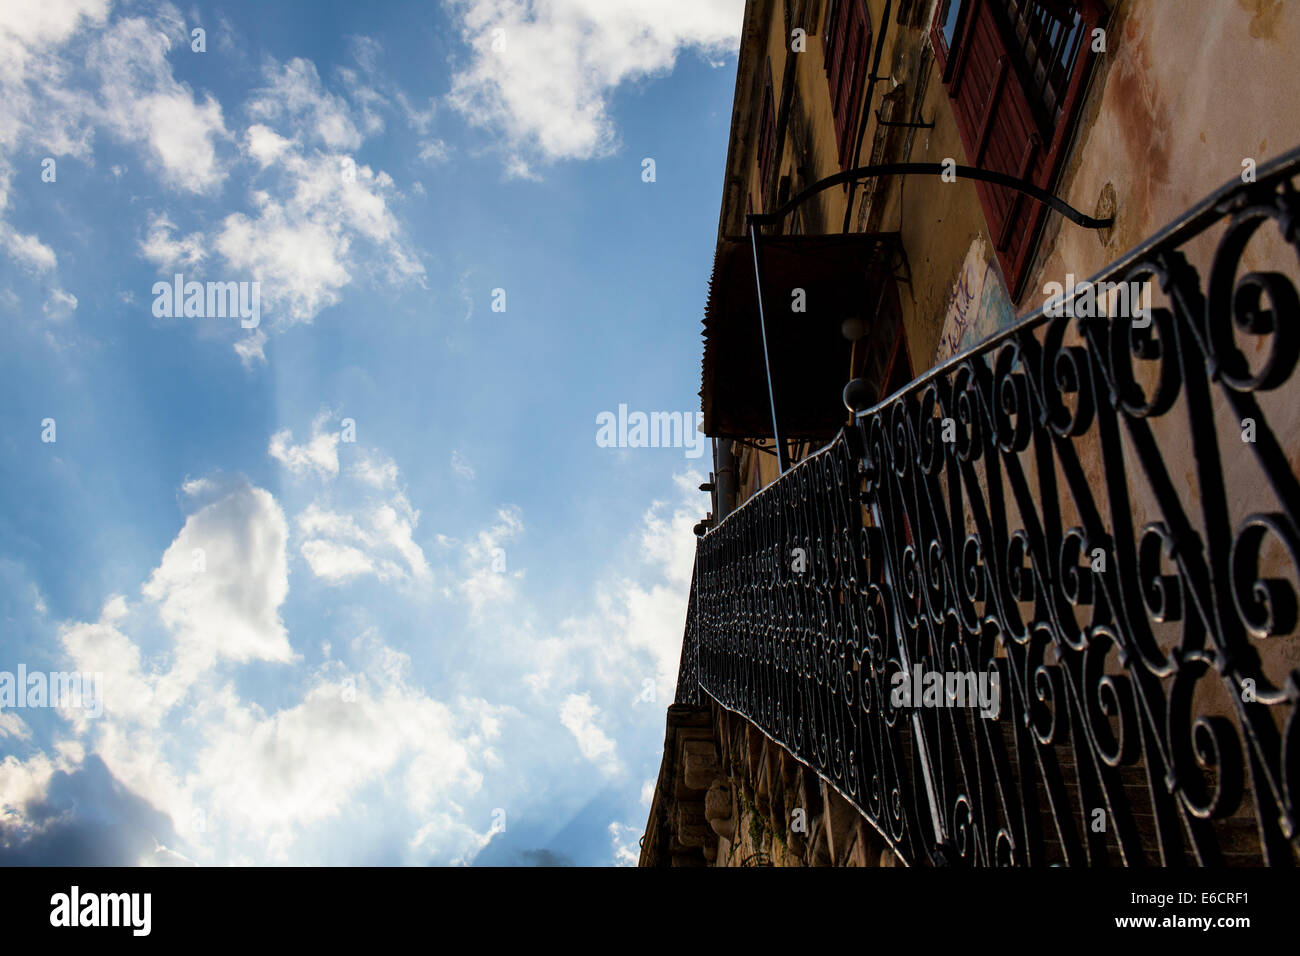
(841, 277)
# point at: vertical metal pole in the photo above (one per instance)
(782, 460)
(918, 729)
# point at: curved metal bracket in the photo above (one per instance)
(933, 169)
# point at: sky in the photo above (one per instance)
(354, 578)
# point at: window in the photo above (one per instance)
(766, 138)
(946, 24)
(846, 40)
(1046, 37)
(1015, 72)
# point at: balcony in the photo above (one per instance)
(1097, 514)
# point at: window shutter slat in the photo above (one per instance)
(1006, 126)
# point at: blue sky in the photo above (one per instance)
(452, 639)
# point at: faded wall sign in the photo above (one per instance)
(977, 307)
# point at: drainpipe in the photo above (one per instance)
(725, 467)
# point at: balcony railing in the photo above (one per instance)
(1099, 515)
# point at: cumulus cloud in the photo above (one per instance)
(634, 631)
(331, 559)
(377, 539)
(319, 455)
(542, 74)
(580, 718)
(433, 152)
(265, 145)
(300, 239)
(313, 214)
(488, 581)
(167, 251)
(373, 534)
(38, 109)
(80, 816)
(295, 96)
(60, 304)
(626, 842)
(300, 765)
(377, 472)
(243, 777)
(221, 582)
(182, 766)
(35, 103)
(139, 95)
(28, 28)
(29, 251)
(11, 725)
(251, 349)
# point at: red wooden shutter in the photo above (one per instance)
(766, 137)
(846, 42)
(995, 112)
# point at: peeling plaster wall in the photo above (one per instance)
(1184, 93)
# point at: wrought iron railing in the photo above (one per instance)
(1100, 516)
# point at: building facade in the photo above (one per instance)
(1062, 494)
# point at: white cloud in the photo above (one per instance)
(139, 95)
(307, 227)
(300, 242)
(376, 472)
(60, 304)
(301, 261)
(168, 253)
(319, 455)
(11, 725)
(547, 91)
(634, 631)
(38, 111)
(23, 782)
(355, 742)
(367, 101)
(374, 537)
(420, 120)
(250, 349)
(29, 250)
(302, 764)
(461, 465)
(335, 562)
(378, 539)
(216, 591)
(31, 27)
(224, 599)
(176, 732)
(194, 487)
(579, 716)
(295, 96)
(626, 840)
(488, 581)
(395, 521)
(114, 609)
(433, 152)
(265, 145)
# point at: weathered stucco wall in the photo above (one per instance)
(1184, 93)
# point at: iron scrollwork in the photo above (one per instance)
(1100, 512)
